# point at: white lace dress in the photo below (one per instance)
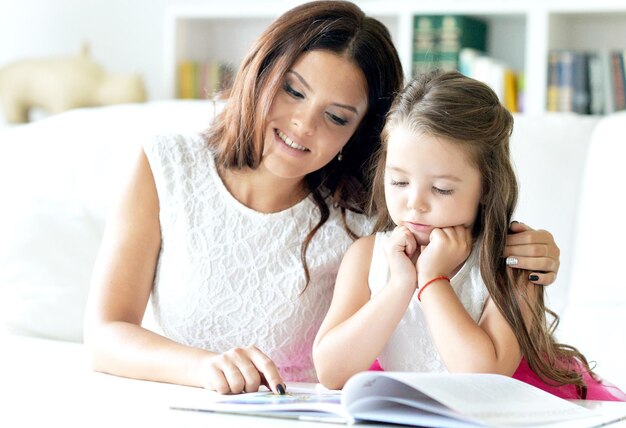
(411, 347)
(230, 276)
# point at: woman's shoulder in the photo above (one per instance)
(177, 151)
(165, 143)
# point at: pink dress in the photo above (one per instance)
(598, 389)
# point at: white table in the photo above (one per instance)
(49, 383)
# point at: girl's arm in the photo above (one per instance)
(120, 288)
(357, 327)
(534, 251)
(489, 346)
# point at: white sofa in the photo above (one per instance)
(58, 177)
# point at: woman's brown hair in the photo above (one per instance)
(467, 112)
(237, 134)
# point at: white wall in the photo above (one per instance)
(125, 36)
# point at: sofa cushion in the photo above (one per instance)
(596, 312)
(58, 178)
(549, 153)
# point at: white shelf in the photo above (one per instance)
(520, 32)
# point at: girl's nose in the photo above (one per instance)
(417, 201)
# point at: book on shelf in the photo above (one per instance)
(439, 39)
(200, 80)
(502, 79)
(586, 82)
(415, 399)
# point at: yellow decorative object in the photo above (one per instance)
(59, 84)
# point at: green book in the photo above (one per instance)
(458, 32)
(425, 43)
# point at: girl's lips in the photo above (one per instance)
(418, 227)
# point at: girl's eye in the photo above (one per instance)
(398, 183)
(287, 87)
(338, 120)
(442, 191)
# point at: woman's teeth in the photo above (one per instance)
(289, 142)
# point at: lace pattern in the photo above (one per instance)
(229, 276)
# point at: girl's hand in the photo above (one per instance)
(241, 370)
(448, 248)
(402, 252)
(534, 251)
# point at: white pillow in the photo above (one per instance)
(596, 313)
(58, 178)
(549, 152)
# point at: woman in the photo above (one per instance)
(238, 234)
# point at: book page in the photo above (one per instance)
(487, 398)
(295, 404)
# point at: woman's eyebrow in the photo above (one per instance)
(308, 87)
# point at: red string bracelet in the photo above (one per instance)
(419, 293)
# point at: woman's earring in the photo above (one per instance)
(340, 156)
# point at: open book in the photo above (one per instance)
(418, 399)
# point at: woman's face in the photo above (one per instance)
(322, 100)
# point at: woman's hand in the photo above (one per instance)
(241, 370)
(402, 252)
(534, 251)
(448, 248)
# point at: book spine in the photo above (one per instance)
(553, 81)
(581, 96)
(607, 78)
(596, 84)
(566, 81)
(458, 32)
(425, 43)
(618, 80)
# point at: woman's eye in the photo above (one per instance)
(287, 87)
(338, 120)
(442, 191)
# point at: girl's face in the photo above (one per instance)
(429, 183)
(320, 105)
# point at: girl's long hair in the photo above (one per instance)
(237, 134)
(468, 113)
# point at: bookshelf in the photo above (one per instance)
(521, 32)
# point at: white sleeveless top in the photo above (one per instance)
(229, 276)
(411, 347)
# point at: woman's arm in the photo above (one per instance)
(120, 288)
(534, 251)
(356, 324)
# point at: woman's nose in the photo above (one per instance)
(304, 119)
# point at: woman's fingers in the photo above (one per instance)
(267, 370)
(534, 251)
(243, 370)
(542, 278)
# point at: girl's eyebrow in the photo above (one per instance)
(308, 87)
(443, 176)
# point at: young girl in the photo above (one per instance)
(429, 291)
